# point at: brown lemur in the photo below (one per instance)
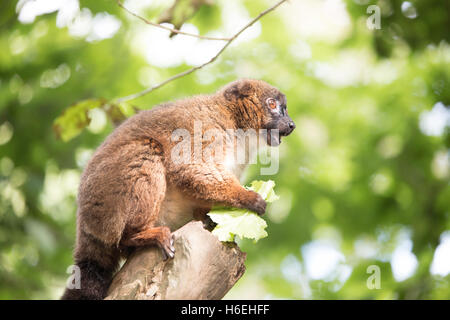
(132, 194)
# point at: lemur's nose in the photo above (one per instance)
(291, 125)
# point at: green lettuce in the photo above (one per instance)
(242, 222)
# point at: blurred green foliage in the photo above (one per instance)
(362, 176)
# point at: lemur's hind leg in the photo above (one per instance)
(161, 236)
(145, 197)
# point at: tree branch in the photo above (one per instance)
(189, 71)
(158, 25)
(203, 268)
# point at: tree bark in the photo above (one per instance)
(203, 268)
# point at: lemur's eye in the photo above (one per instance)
(272, 103)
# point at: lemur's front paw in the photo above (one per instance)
(209, 224)
(255, 203)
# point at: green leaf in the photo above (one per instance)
(127, 109)
(76, 117)
(241, 222)
(265, 189)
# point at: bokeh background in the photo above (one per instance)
(363, 181)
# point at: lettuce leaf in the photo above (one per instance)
(242, 222)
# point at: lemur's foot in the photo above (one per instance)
(167, 248)
(160, 236)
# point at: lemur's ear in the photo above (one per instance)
(238, 90)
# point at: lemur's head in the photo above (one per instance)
(258, 105)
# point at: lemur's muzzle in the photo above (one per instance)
(283, 128)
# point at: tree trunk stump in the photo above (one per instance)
(203, 268)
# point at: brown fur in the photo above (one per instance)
(131, 194)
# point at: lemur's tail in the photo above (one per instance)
(97, 264)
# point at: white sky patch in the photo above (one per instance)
(321, 259)
(300, 50)
(80, 23)
(162, 51)
(365, 248)
(343, 272)
(349, 68)
(67, 12)
(403, 262)
(235, 16)
(206, 76)
(281, 211)
(441, 260)
(156, 46)
(29, 10)
(104, 26)
(138, 5)
(384, 72)
(318, 20)
(292, 271)
(409, 10)
(312, 132)
(353, 67)
(148, 76)
(202, 52)
(434, 122)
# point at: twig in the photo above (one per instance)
(158, 25)
(189, 71)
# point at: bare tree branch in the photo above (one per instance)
(189, 71)
(158, 25)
